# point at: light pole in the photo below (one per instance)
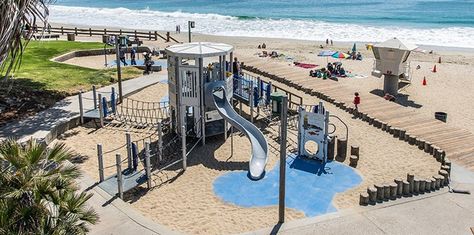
(283, 134)
(191, 25)
(118, 42)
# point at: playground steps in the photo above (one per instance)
(455, 142)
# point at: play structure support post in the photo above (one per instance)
(101, 111)
(183, 146)
(118, 161)
(119, 70)
(100, 158)
(259, 89)
(129, 150)
(231, 141)
(147, 165)
(240, 108)
(160, 142)
(81, 108)
(203, 111)
(251, 101)
(281, 204)
(94, 96)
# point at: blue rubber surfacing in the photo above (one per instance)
(310, 186)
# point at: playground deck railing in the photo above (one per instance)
(150, 35)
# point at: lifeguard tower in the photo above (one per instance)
(391, 61)
(201, 87)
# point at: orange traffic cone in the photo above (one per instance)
(424, 81)
(439, 60)
(434, 69)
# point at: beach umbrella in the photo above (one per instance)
(326, 53)
(354, 48)
(340, 55)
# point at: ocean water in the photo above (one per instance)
(426, 22)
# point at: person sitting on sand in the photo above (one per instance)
(264, 46)
(311, 73)
(418, 67)
(330, 67)
(321, 46)
(356, 101)
(342, 72)
(259, 47)
(359, 56)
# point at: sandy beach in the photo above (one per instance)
(186, 202)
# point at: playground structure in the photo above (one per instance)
(391, 61)
(200, 98)
(201, 104)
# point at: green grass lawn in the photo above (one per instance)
(41, 73)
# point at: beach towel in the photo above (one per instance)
(305, 65)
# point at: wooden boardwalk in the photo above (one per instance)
(432, 136)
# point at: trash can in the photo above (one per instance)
(71, 37)
(277, 98)
(442, 116)
(105, 38)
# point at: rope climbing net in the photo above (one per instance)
(141, 113)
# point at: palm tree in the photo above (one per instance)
(38, 192)
(17, 16)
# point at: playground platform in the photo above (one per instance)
(455, 143)
(131, 179)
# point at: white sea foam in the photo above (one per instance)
(282, 28)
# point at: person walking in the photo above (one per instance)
(236, 67)
(133, 54)
(356, 101)
(122, 57)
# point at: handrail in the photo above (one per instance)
(151, 35)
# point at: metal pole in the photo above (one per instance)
(105, 55)
(231, 141)
(183, 146)
(147, 164)
(119, 69)
(128, 138)
(81, 108)
(94, 94)
(281, 204)
(101, 111)
(251, 101)
(160, 142)
(189, 30)
(101, 162)
(118, 161)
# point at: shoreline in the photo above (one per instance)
(447, 50)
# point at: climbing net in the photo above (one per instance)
(141, 113)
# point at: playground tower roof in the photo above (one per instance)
(199, 49)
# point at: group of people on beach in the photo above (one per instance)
(331, 70)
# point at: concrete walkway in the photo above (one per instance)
(64, 115)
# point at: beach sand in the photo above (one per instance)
(185, 201)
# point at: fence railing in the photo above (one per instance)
(150, 35)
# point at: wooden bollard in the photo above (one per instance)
(433, 184)
(372, 194)
(417, 141)
(396, 132)
(402, 134)
(410, 179)
(393, 190)
(377, 123)
(427, 185)
(412, 140)
(399, 183)
(355, 150)
(446, 177)
(370, 120)
(386, 191)
(390, 129)
(407, 136)
(364, 199)
(434, 151)
(353, 161)
(421, 144)
(331, 146)
(416, 186)
(384, 126)
(447, 169)
(406, 188)
(427, 147)
(422, 186)
(341, 149)
(380, 192)
(438, 181)
(447, 162)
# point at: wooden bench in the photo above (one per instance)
(46, 36)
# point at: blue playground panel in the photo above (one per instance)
(310, 186)
(242, 90)
(162, 63)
